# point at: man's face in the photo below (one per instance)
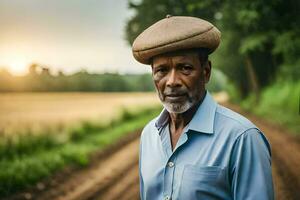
(179, 79)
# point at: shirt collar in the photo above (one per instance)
(202, 121)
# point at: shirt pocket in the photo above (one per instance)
(203, 182)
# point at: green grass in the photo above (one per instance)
(27, 160)
(279, 104)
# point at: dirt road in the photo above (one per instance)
(116, 176)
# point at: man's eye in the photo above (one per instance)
(161, 70)
(186, 68)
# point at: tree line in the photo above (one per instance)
(40, 79)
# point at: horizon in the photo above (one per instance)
(55, 72)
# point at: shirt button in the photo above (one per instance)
(167, 198)
(170, 164)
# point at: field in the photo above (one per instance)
(23, 112)
(44, 132)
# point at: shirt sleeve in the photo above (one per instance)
(250, 167)
(140, 174)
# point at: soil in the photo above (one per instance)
(113, 174)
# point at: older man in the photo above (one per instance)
(195, 149)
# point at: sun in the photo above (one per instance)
(18, 67)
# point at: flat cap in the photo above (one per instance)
(175, 33)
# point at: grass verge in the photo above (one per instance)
(279, 103)
(27, 160)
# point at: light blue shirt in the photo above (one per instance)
(220, 155)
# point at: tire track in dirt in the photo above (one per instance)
(103, 176)
(126, 187)
(107, 168)
(281, 190)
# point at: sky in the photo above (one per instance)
(66, 35)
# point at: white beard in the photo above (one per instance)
(176, 107)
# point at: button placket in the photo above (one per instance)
(169, 170)
(169, 176)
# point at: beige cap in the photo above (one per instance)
(175, 33)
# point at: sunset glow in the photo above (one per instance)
(18, 66)
(65, 35)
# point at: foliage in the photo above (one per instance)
(25, 162)
(233, 93)
(280, 103)
(217, 81)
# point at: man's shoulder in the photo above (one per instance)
(237, 126)
(149, 128)
(151, 124)
(227, 118)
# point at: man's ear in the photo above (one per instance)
(207, 71)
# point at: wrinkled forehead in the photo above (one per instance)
(190, 55)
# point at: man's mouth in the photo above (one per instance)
(175, 97)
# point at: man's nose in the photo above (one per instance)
(173, 79)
